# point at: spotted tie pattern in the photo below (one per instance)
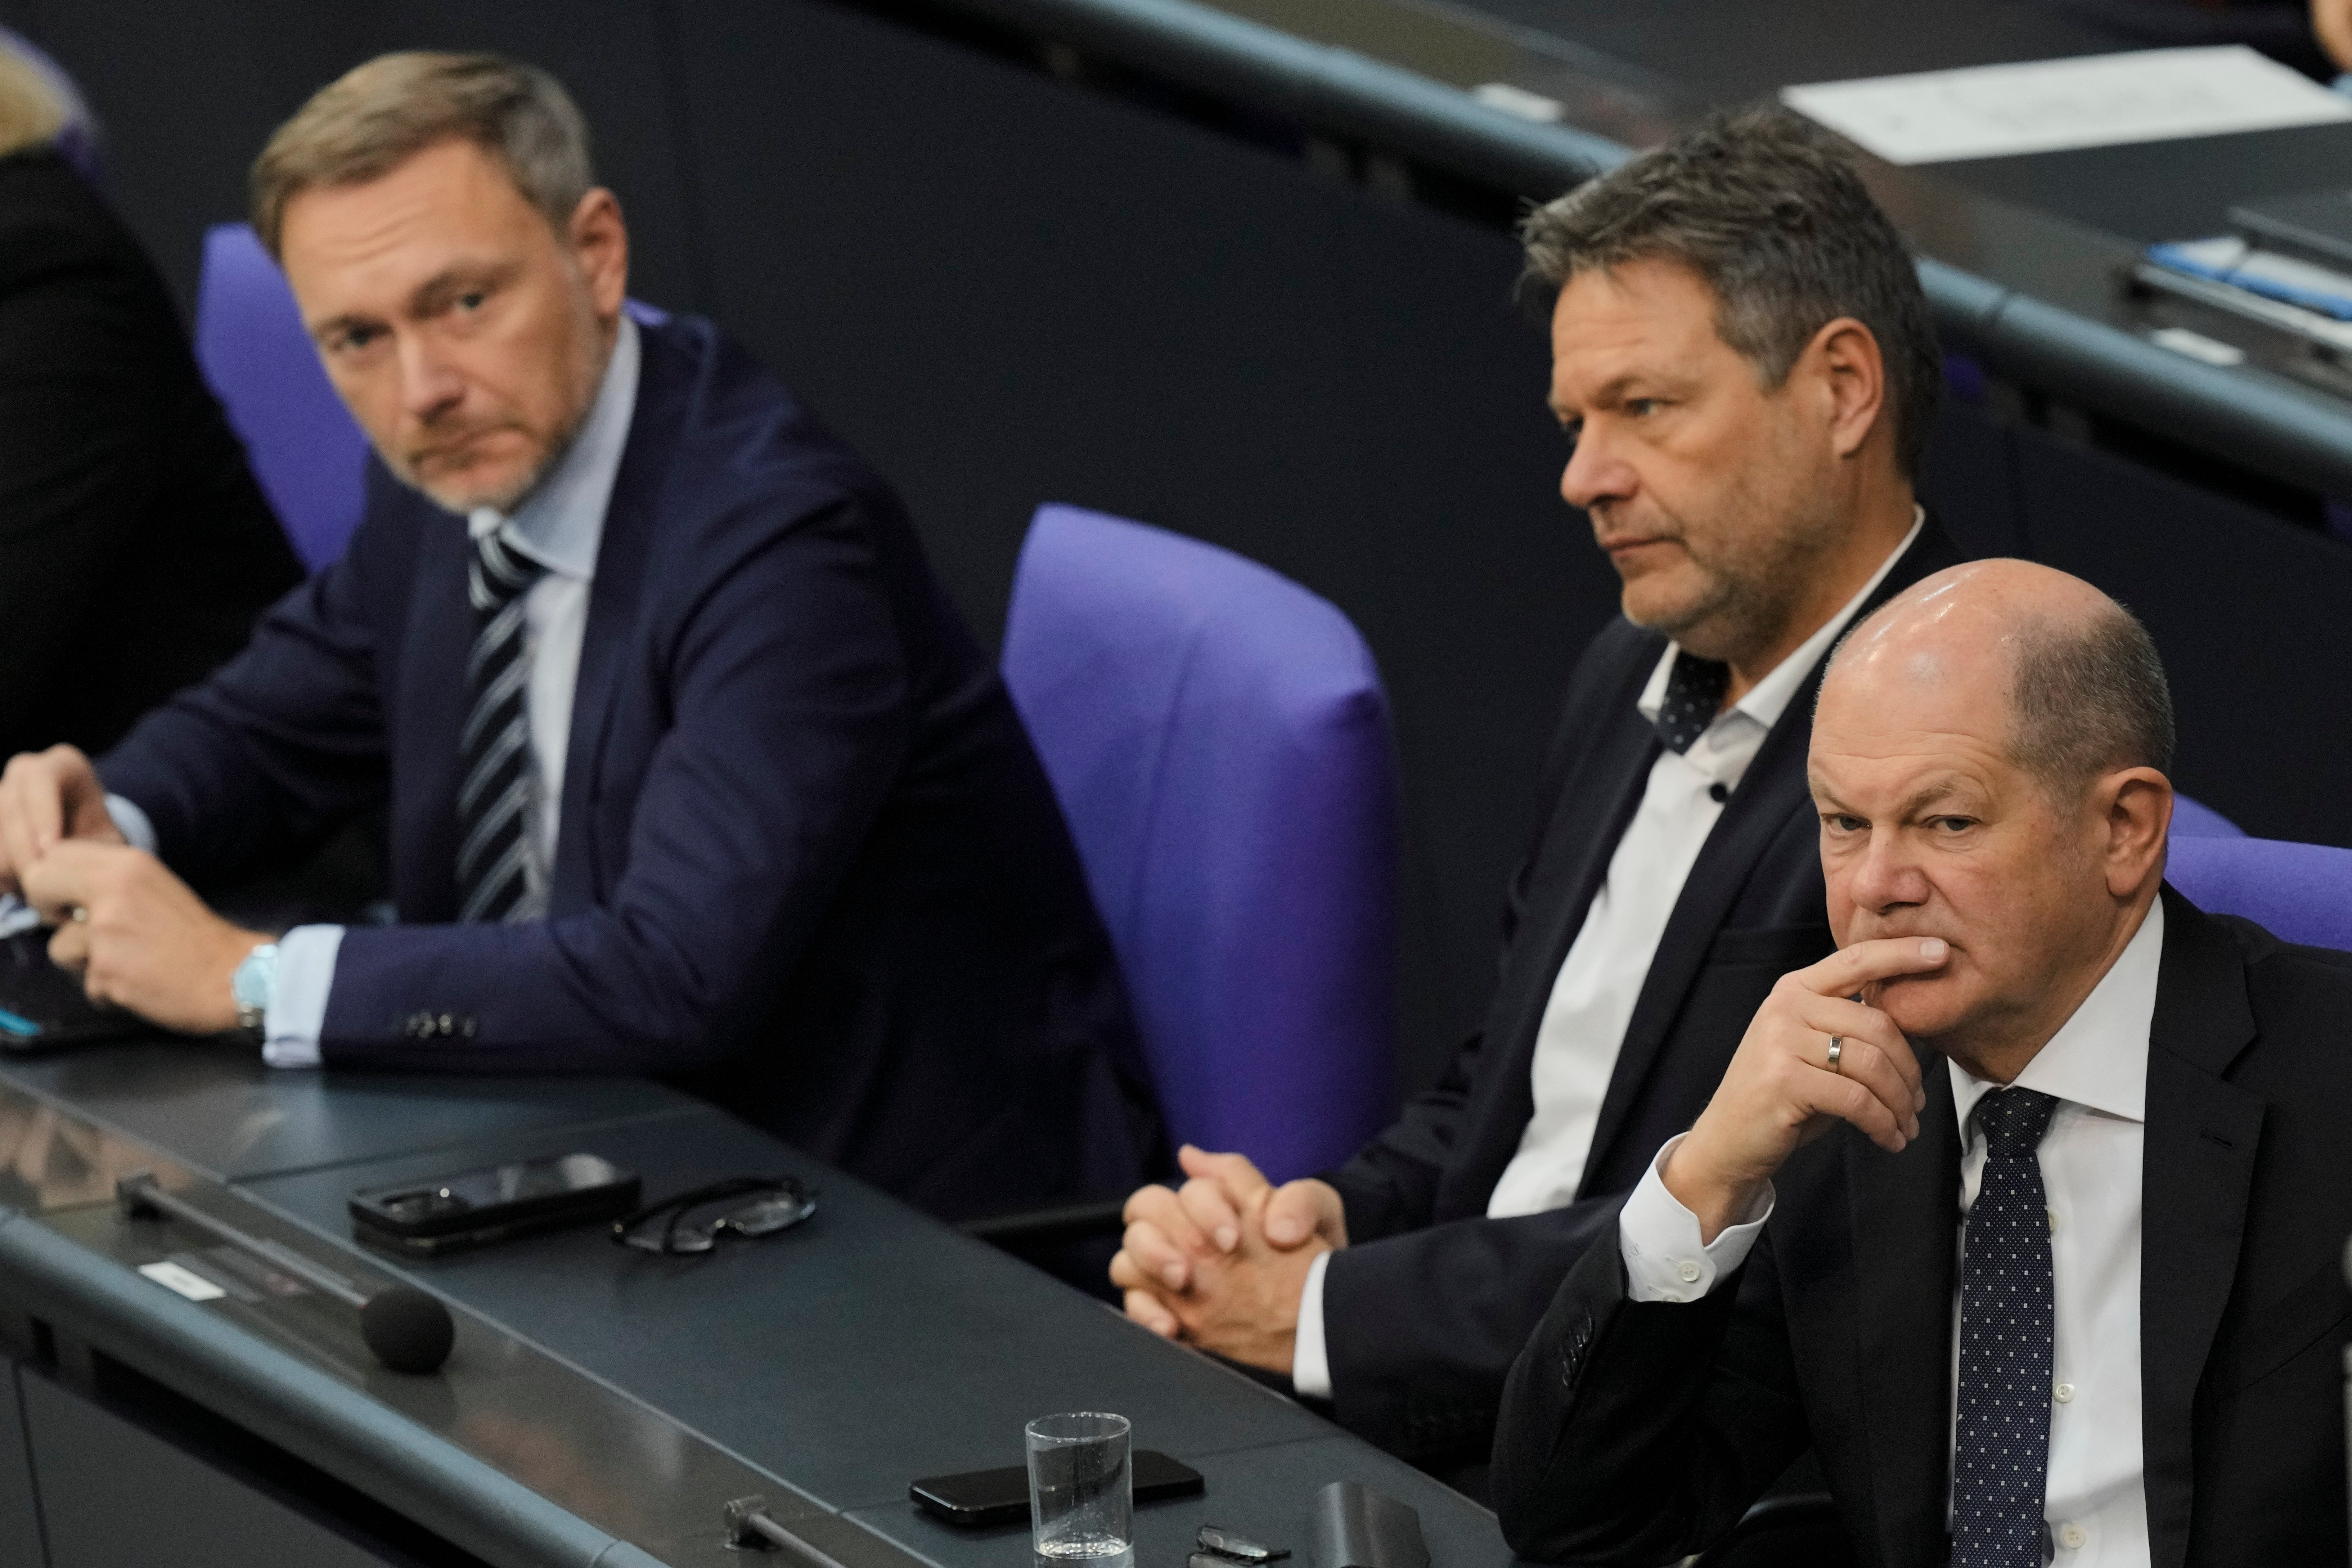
(2001, 1455)
(493, 802)
(1695, 689)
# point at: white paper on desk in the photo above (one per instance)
(2042, 106)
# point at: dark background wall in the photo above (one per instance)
(1008, 289)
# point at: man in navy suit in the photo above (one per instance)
(692, 767)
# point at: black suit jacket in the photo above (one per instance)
(1424, 1309)
(808, 864)
(135, 548)
(1636, 1432)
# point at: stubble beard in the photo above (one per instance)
(1753, 588)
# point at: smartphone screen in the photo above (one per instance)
(1001, 1496)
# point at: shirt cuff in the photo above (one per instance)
(297, 1014)
(1664, 1260)
(1310, 1365)
(130, 820)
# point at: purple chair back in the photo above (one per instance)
(2297, 892)
(2194, 819)
(77, 140)
(306, 449)
(1219, 740)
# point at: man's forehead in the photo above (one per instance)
(416, 219)
(1650, 318)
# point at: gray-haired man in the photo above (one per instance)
(1743, 360)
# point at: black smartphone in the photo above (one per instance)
(472, 1208)
(1001, 1496)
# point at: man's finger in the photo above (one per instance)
(1864, 1064)
(1145, 1309)
(1212, 1211)
(1155, 1257)
(1294, 1214)
(1868, 1034)
(1849, 969)
(1241, 1179)
(1158, 1207)
(69, 947)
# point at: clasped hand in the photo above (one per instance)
(1782, 1092)
(1221, 1261)
(139, 936)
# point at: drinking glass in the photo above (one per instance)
(1081, 1492)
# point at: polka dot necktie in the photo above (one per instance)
(2000, 1455)
(1695, 689)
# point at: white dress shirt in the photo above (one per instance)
(2095, 1067)
(559, 525)
(1593, 996)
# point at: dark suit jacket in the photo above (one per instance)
(1635, 1432)
(808, 865)
(135, 548)
(1424, 1309)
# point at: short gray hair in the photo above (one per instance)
(374, 117)
(1762, 207)
(35, 107)
(2087, 699)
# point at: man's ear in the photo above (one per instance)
(600, 245)
(1845, 356)
(2136, 807)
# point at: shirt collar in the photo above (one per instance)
(560, 523)
(1769, 698)
(2098, 1058)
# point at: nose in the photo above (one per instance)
(429, 385)
(1595, 471)
(1886, 876)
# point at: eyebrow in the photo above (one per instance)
(1610, 391)
(1925, 797)
(425, 297)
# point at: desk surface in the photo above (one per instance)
(825, 1368)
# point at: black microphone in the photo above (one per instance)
(407, 1330)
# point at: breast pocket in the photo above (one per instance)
(2267, 1339)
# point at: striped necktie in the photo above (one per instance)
(493, 802)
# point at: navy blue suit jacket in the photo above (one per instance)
(808, 865)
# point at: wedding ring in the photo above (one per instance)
(1837, 1049)
(80, 912)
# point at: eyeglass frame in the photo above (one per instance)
(685, 1202)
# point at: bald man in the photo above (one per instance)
(1908, 1229)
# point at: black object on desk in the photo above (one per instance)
(43, 1006)
(405, 1328)
(474, 1208)
(979, 1498)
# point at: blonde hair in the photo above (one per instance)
(33, 109)
(375, 116)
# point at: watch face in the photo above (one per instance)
(254, 978)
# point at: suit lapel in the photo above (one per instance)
(1906, 1211)
(613, 601)
(1773, 788)
(2198, 1169)
(1600, 795)
(431, 712)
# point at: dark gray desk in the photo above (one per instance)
(601, 1405)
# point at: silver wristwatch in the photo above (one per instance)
(253, 986)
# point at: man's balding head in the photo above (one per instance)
(1988, 759)
(2086, 689)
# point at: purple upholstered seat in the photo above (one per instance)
(2194, 819)
(306, 449)
(1219, 740)
(2300, 892)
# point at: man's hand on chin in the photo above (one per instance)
(1242, 1304)
(140, 937)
